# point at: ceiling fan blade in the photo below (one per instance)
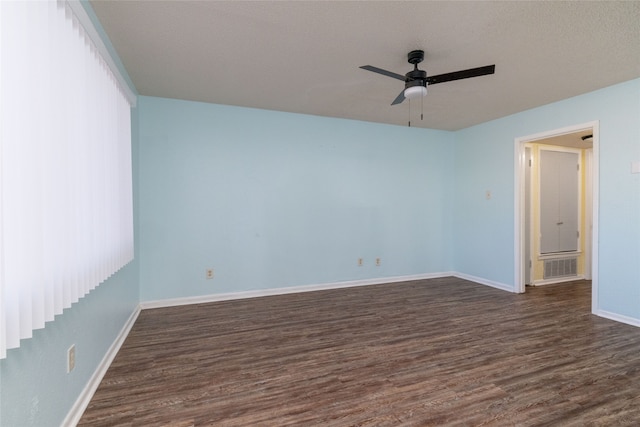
(399, 98)
(383, 72)
(463, 74)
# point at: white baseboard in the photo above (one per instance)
(289, 290)
(618, 317)
(493, 284)
(74, 415)
(556, 281)
(81, 403)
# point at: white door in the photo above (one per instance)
(559, 197)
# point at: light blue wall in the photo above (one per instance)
(35, 389)
(272, 199)
(484, 160)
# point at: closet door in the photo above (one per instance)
(559, 198)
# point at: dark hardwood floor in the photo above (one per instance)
(431, 352)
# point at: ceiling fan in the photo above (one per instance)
(416, 81)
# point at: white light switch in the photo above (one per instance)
(635, 166)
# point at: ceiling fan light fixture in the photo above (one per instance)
(415, 92)
(416, 80)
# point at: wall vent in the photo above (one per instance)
(561, 267)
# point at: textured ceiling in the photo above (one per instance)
(303, 56)
(573, 140)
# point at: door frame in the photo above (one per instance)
(519, 200)
(588, 167)
(526, 225)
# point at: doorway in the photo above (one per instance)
(527, 243)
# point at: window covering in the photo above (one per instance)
(66, 204)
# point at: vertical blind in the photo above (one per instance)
(66, 209)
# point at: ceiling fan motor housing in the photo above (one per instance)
(415, 77)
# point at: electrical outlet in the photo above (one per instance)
(360, 262)
(71, 358)
(378, 262)
(209, 273)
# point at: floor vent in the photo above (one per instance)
(561, 267)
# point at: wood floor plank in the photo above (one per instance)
(432, 352)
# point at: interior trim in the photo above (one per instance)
(81, 403)
(618, 317)
(555, 281)
(486, 282)
(288, 290)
